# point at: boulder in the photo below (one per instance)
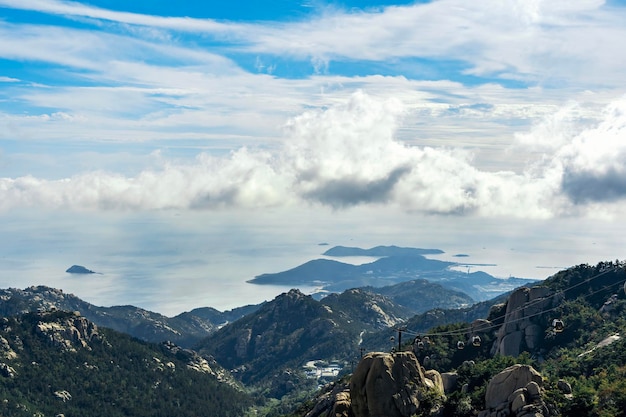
(564, 386)
(63, 395)
(450, 381)
(389, 385)
(7, 371)
(436, 379)
(515, 392)
(533, 390)
(506, 382)
(343, 405)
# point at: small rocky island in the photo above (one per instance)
(78, 269)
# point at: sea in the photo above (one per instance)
(173, 261)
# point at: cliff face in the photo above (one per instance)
(526, 319)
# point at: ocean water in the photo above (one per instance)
(170, 261)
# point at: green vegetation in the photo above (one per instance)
(114, 375)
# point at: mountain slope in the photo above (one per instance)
(59, 363)
(284, 333)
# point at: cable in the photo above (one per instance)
(483, 329)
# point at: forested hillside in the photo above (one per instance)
(58, 363)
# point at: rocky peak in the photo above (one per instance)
(68, 331)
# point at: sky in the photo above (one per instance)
(181, 148)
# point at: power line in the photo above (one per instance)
(560, 293)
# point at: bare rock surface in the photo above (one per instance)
(516, 392)
(390, 385)
(525, 321)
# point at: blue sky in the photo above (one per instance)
(507, 114)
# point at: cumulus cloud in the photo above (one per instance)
(348, 155)
(594, 162)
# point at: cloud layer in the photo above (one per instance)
(348, 155)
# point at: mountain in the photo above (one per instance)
(379, 251)
(187, 328)
(284, 333)
(374, 311)
(420, 295)
(56, 363)
(184, 329)
(403, 264)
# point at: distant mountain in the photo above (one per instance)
(184, 329)
(380, 251)
(216, 317)
(374, 310)
(420, 295)
(403, 264)
(61, 364)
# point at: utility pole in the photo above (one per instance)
(400, 330)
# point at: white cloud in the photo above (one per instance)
(594, 162)
(8, 80)
(348, 155)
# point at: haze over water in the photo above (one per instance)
(170, 262)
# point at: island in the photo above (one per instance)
(78, 269)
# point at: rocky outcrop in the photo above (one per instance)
(6, 371)
(5, 349)
(450, 381)
(391, 385)
(515, 392)
(335, 401)
(63, 395)
(524, 320)
(241, 348)
(67, 330)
